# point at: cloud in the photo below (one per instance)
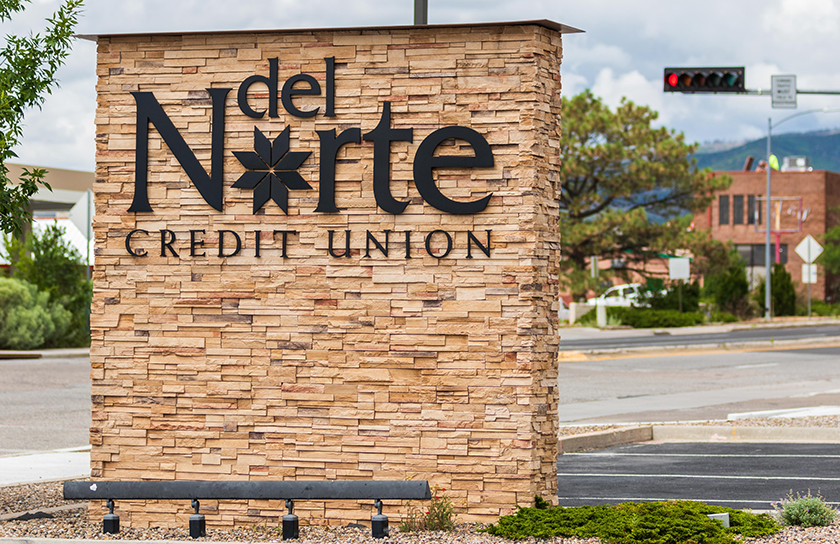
(632, 85)
(578, 54)
(573, 84)
(804, 19)
(622, 53)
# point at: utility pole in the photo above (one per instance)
(768, 313)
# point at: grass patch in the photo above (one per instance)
(663, 522)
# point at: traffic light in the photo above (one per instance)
(705, 80)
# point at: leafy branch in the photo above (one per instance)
(27, 75)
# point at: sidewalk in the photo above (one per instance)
(46, 466)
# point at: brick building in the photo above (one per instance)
(738, 215)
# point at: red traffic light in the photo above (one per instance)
(705, 80)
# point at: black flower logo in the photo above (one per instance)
(272, 170)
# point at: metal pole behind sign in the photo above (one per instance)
(767, 311)
(421, 12)
(88, 233)
(809, 280)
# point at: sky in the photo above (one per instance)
(622, 53)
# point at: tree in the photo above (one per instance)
(55, 268)
(627, 188)
(729, 287)
(685, 297)
(782, 292)
(27, 74)
(830, 257)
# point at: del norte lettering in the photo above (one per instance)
(272, 165)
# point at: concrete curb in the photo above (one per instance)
(19, 355)
(53, 510)
(63, 353)
(578, 355)
(604, 439)
(697, 433)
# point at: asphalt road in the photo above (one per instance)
(734, 475)
(695, 386)
(732, 337)
(44, 404)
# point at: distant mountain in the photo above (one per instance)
(823, 148)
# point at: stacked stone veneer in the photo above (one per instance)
(312, 366)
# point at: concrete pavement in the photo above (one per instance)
(45, 467)
(38, 415)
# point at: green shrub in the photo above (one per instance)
(27, 319)
(635, 523)
(56, 268)
(730, 288)
(643, 318)
(807, 511)
(782, 292)
(646, 318)
(670, 299)
(722, 317)
(825, 309)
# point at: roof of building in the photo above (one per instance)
(68, 186)
(561, 28)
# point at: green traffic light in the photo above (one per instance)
(730, 79)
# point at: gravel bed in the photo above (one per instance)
(812, 421)
(75, 524)
(21, 498)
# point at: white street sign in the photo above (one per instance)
(809, 273)
(783, 91)
(678, 268)
(809, 249)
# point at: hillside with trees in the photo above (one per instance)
(820, 147)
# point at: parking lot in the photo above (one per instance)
(727, 474)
